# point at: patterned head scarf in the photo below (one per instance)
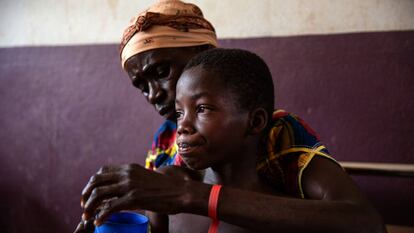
(166, 24)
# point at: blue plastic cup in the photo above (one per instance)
(124, 222)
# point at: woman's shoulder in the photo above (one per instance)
(292, 123)
(165, 135)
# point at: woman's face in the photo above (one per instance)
(156, 72)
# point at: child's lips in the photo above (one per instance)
(185, 148)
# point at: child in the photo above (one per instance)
(224, 104)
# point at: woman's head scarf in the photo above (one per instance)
(166, 24)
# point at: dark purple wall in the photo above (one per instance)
(65, 111)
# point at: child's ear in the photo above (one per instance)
(257, 121)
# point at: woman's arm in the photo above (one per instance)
(334, 203)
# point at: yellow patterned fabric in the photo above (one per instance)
(291, 145)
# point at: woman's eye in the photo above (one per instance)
(162, 71)
(142, 86)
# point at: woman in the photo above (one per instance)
(154, 50)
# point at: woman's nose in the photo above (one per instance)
(154, 93)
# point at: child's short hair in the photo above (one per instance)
(244, 73)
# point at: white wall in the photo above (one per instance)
(55, 22)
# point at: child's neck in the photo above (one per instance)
(239, 173)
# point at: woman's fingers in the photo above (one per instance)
(98, 195)
(80, 228)
(133, 187)
(107, 169)
(85, 227)
(97, 180)
(115, 205)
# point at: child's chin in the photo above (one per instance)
(195, 166)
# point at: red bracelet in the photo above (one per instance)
(212, 208)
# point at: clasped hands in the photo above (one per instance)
(131, 187)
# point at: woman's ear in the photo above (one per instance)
(257, 121)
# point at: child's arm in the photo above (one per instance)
(334, 203)
(160, 222)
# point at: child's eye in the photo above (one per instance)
(203, 109)
(178, 115)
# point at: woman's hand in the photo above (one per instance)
(85, 227)
(131, 187)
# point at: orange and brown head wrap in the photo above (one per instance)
(166, 24)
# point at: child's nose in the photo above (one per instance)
(185, 126)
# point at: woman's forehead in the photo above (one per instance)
(146, 58)
(173, 55)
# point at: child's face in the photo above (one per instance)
(211, 129)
